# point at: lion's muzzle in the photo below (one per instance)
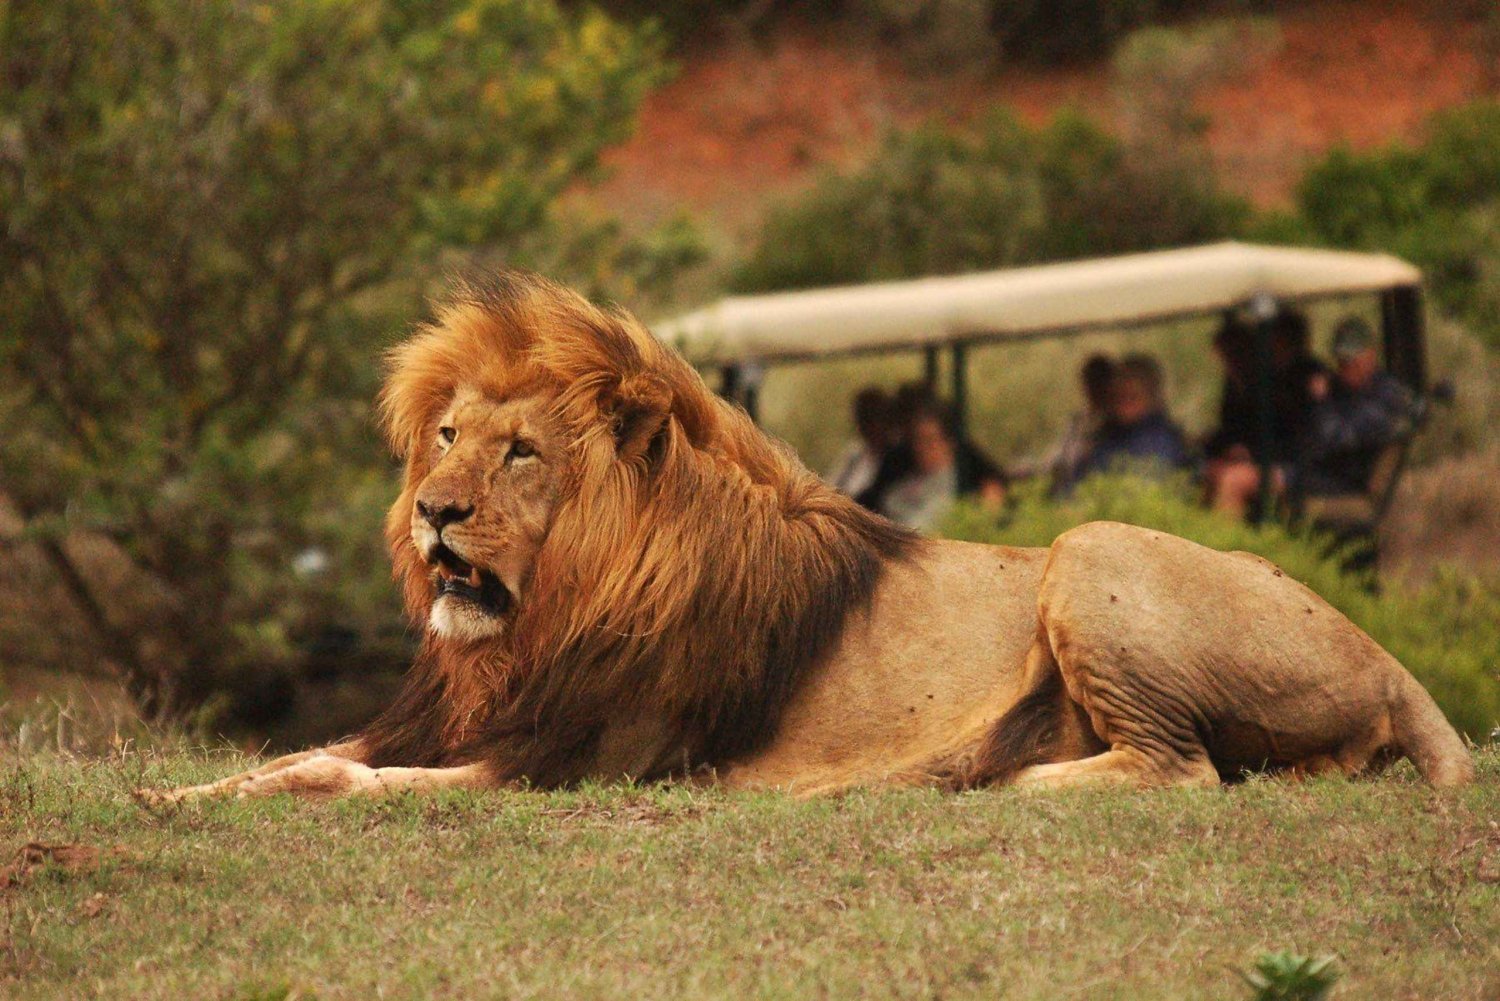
(458, 579)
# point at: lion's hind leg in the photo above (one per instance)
(1153, 735)
(1110, 719)
(1123, 765)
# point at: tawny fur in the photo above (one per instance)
(690, 599)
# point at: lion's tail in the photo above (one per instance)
(1043, 726)
(1426, 737)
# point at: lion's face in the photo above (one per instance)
(483, 510)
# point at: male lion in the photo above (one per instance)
(617, 574)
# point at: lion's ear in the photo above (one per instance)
(638, 409)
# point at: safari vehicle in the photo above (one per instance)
(742, 335)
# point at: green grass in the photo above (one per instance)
(672, 891)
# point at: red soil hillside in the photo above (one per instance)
(740, 123)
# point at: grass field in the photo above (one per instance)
(673, 891)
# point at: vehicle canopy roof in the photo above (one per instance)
(1022, 303)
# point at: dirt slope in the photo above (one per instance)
(743, 122)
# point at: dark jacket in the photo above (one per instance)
(973, 467)
(1347, 433)
(1291, 413)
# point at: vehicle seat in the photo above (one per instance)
(1354, 513)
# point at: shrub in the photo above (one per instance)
(1436, 203)
(934, 201)
(211, 218)
(1447, 633)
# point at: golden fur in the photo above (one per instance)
(686, 596)
(693, 567)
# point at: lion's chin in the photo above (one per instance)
(457, 619)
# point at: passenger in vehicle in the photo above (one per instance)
(1237, 449)
(1066, 463)
(1137, 433)
(874, 420)
(976, 473)
(927, 492)
(1359, 411)
(910, 400)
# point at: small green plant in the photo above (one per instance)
(1286, 976)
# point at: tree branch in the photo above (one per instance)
(142, 683)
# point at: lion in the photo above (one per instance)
(618, 576)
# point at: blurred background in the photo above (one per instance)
(216, 215)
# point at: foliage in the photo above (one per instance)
(943, 34)
(1070, 31)
(1160, 73)
(212, 216)
(934, 200)
(1286, 976)
(1447, 633)
(1436, 203)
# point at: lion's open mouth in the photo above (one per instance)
(459, 579)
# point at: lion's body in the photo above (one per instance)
(1205, 664)
(925, 672)
(619, 575)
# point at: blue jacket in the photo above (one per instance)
(1349, 429)
(1152, 440)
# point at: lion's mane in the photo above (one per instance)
(694, 572)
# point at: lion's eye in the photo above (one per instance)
(447, 434)
(521, 449)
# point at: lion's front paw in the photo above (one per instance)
(181, 794)
(316, 778)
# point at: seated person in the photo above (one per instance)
(1359, 411)
(979, 475)
(1236, 450)
(1071, 452)
(1136, 429)
(921, 497)
(976, 472)
(856, 466)
(910, 399)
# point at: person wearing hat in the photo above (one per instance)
(1358, 411)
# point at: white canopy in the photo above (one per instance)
(1051, 298)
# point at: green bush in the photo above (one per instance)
(1287, 976)
(937, 32)
(1048, 32)
(935, 201)
(212, 219)
(1437, 204)
(1447, 633)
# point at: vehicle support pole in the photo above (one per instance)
(930, 368)
(740, 384)
(1401, 327)
(960, 390)
(1265, 310)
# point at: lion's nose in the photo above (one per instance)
(440, 514)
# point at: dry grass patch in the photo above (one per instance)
(675, 891)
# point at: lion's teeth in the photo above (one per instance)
(473, 576)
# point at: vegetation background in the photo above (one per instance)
(215, 216)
